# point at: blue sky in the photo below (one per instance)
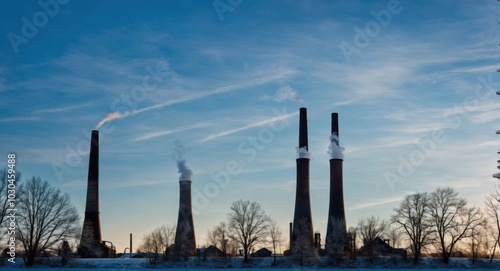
(414, 93)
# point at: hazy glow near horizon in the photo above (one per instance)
(413, 82)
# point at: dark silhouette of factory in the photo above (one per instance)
(336, 228)
(302, 232)
(303, 240)
(302, 237)
(91, 244)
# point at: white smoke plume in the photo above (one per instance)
(335, 150)
(224, 89)
(110, 117)
(184, 170)
(285, 93)
(303, 153)
(178, 154)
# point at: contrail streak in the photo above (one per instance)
(224, 89)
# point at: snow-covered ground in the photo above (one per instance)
(263, 264)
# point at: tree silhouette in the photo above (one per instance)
(218, 236)
(413, 217)
(275, 236)
(46, 217)
(452, 219)
(370, 229)
(336, 247)
(492, 210)
(302, 247)
(156, 243)
(247, 224)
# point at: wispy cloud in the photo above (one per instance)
(13, 119)
(425, 128)
(249, 126)
(62, 108)
(285, 93)
(46, 155)
(288, 185)
(394, 141)
(131, 183)
(225, 89)
(167, 132)
(486, 111)
(376, 203)
(372, 81)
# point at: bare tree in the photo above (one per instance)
(218, 236)
(212, 237)
(184, 246)
(413, 217)
(478, 244)
(46, 217)
(351, 242)
(65, 252)
(275, 236)
(153, 246)
(247, 224)
(485, 241)
(150, 247)
(156, 243)
(168, 237)
(452, 219)
(492, 210)
(339, 240)
(85, 240)
(370, 229)
(394, 235)
(231, 247)
(488, 242)
(303, 248)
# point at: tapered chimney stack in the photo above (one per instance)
(302, 236)
(91, 239)
(185, 241)
(336, 228)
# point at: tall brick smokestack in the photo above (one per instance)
(336, 228)
(184, 235)
(303, 140)
(335, 124)
(91, 240)
(302, 235)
